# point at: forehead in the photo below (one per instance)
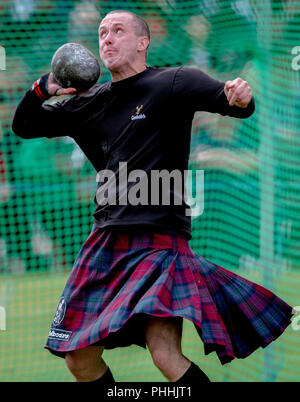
(117, 18)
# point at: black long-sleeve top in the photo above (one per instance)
(144, 120)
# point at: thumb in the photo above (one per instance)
(228, 84)
(226, 87)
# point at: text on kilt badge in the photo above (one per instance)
(156, 187)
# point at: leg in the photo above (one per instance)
(86, 364)
(163, 338)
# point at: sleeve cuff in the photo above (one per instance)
(40, 88)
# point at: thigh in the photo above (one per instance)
(164, 332)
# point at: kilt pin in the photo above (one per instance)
(119, 279)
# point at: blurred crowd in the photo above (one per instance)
(47, 186)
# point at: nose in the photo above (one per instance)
(108, 38)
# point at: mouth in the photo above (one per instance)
(107, 51)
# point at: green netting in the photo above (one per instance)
(251, 221)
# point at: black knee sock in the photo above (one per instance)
(193, 375)
(106, 379)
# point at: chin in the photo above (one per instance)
(113, 67)
(110, 64)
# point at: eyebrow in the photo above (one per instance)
(114, 25)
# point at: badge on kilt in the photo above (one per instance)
(60, 311)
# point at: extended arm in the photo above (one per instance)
(197, 91)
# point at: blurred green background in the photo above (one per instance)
(251, 219)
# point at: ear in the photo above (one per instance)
(143, 43)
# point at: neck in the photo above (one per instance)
(119, 75)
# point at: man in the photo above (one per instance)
(136, 277)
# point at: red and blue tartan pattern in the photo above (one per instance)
(118, 279)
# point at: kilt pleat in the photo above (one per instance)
(119, 279)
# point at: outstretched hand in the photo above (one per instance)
(238, 92)
(54, 89)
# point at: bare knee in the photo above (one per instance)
(86, 364)
(161, 356)
(79, 369)
(163, 337)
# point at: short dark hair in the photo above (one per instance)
(141, 26)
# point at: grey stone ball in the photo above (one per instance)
(74, 66)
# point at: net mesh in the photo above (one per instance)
(251, 220)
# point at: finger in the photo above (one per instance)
(227, 85)
(231, 84)
(232, 96)
(234, 83)
(245, 97)
(246, 93)
(229, 95)
(237, 92)
(65, 91)
(229, 89)
(71, 91)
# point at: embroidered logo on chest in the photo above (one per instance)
(138, 115)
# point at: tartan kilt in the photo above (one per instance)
(119, 279)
